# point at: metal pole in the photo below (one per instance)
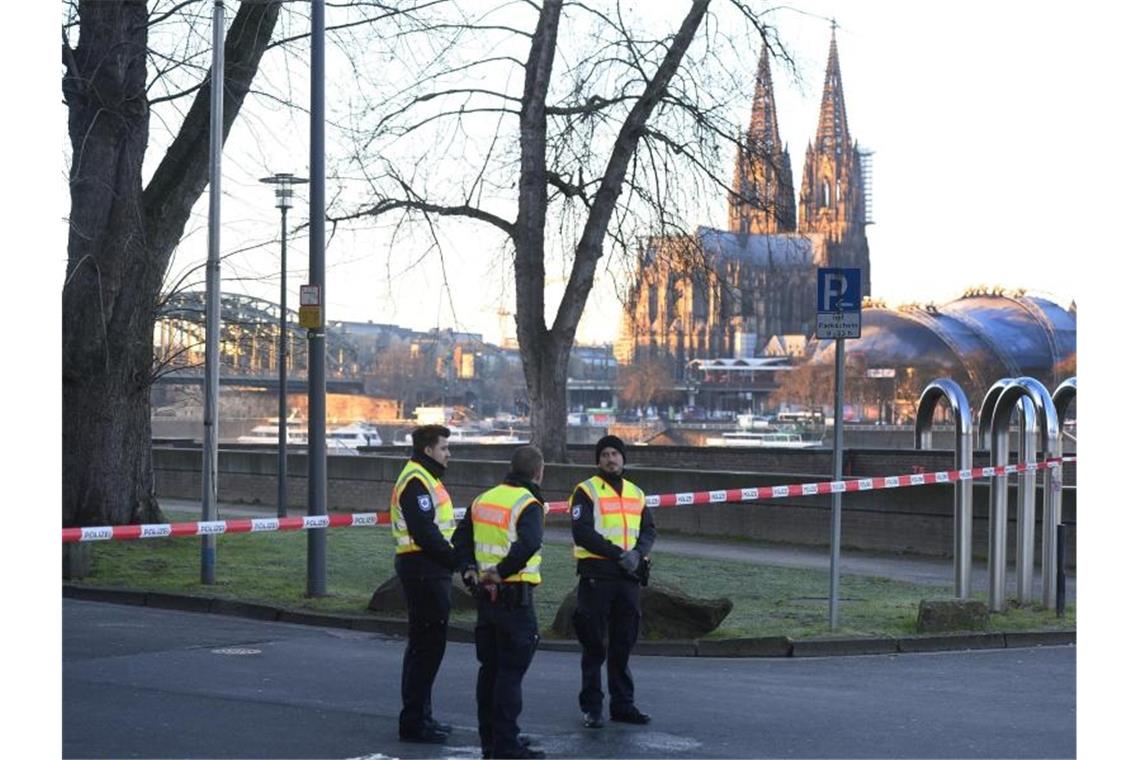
(317, 465)
(1050, 519)
(963, 511)
(282, 379)
(1061, 570)
(999, 455)
(836, 497)
(213, 301)
(1026, 500)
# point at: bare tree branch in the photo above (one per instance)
(589, 246)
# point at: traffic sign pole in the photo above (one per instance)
(836, 496)
(839, 316)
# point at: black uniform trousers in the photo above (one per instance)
(506, 636)
(429, 607)
(607, 606)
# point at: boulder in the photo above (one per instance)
(941, 615)
(388, 599)
(667, 612)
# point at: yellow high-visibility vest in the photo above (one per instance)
(617, 517)
(494, 519)
(440, 500)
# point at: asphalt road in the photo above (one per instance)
(144, 682)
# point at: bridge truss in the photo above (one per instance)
(249, 341)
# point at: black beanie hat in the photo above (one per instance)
(610, 441)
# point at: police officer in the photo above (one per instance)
(612, 533)
(422, 524)
(498, 545)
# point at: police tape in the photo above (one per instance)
(728, 496)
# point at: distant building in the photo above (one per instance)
(975, 340)
(793, 346)
(728, 293)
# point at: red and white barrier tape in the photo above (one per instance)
(730, 496)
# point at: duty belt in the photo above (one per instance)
(512, 595)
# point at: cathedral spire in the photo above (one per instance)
(832, 200)
(832, 134)
(764, 200)
(764, 130)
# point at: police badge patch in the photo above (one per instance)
(576, 512)
(424, 502)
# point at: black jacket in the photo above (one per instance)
(529, 530)
(437, 560)
(582, 527)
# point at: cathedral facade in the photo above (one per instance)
(727, 292)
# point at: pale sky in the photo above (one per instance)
(981, 116)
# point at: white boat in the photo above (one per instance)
(347, 439)
(472, 435)
(756, 439)
(296, 432)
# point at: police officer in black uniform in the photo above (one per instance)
(502, 574)
(609, 594)
(422, 523)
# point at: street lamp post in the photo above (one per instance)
(284, 193)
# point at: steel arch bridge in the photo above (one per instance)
(249, 352)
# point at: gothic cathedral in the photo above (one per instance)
(756, 280)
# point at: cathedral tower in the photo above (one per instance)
(764, 199)
(832, 200)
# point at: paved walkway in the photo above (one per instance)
(900, 567)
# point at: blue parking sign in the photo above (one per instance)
(839, 299)
(839, 290)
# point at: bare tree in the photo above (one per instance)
(645, 382)
(137, 76)
(403, 375)
(807, 385)
(600, 130)
(122, 234)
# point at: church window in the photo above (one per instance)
(700, 299)
(826, 201)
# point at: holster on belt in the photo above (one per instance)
(642, 571)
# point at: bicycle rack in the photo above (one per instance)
(1026, 493)
(945, 388)
(1014, 392)
(1063, 395)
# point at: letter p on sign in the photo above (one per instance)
(834, 286)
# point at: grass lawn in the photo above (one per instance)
(270, 568)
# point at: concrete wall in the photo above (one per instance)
(914, 519)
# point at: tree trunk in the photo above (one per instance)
(120, 242)
(106, 344)
(546, 387)
(544, 353)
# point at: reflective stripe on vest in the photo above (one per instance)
(494, 519)
(440, 501)
(617, 517)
